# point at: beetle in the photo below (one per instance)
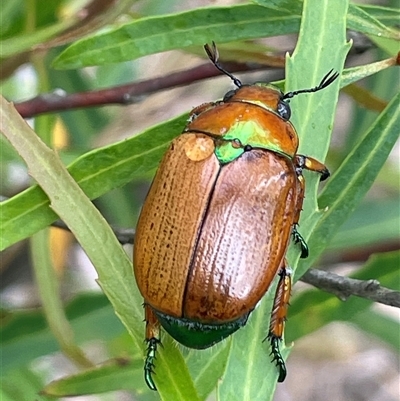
(216, 224)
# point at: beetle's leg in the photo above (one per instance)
(152, 339)
(278, 318)
(308, 163)
(297, 238)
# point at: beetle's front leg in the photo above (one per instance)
(278, 317)
(308, 163)
(152, 340)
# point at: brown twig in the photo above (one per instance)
(124, 94)
(344, 287)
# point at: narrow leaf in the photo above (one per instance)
(313, 309)
(371, 224)
(23, 42)
(96, 172)
(99, 242)
(91, 317)
(380, 326)
(250, 375)
(349, 184)
(359, 20)
(176, 31)
(84, 220)
(387, 15)
(313, 114)
(112, 376)
(208, 366)
(167, 32)
(172, 375)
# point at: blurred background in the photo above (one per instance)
(342, 360)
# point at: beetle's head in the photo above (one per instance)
(264, 95)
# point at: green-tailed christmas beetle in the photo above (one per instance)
(217, 221)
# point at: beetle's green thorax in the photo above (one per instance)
(250, 134)
(253, 116)
(198, 335)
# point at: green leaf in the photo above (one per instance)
(97, 172)
(85, 221)
(372, 223)
(25, 335)
(383, 267)
(313, 309)
(21, 385)
(172, 376)
(249, 374)
(112, 376)
(359, 20)
(176, 31)
(386, 15)
(13, 14)
(354, 74)
(380, 326)
(100, 244)
(207, 366)
(23, 42)
(349, 184)
(313, 114)
(290, 6)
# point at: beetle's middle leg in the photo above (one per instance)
(308, 163)
(297, 238)
(278, 317)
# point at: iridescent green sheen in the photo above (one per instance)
(246, 133)
(198, 335)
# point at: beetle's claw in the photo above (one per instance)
(277, 357)
(149, 380)
(149, 362)
(324, 175)
(297, 238)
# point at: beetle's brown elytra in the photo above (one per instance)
(199, 147)
(217, 221)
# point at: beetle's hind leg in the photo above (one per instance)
(278, 317)
(152, 340)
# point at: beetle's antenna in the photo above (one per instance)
(213, 55)
(326, 81)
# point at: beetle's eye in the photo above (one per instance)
(283, 110)
(228, 95)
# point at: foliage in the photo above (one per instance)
(340, 220)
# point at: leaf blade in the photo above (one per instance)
(176, 31)
(348, 185)
(96, 172)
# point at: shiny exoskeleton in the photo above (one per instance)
(217, 221)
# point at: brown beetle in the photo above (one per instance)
(217, 221)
